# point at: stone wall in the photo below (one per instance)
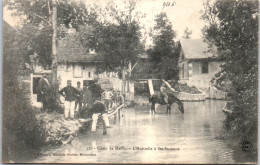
(191, 97)
(214, 93)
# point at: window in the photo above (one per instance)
(204, 67)
(77, 71)
(89, 74)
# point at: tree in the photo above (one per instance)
(37, 16)
(233, 28)
(54, 45)
(163, 55)
(21, 129)
(116, 36)
(187, 33)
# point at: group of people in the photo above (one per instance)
(76, 99)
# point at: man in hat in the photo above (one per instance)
(44, 91)
(69, 92)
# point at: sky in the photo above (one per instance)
(181, 13)
(184, 13)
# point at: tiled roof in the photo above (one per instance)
(195, 49)
(71, 50)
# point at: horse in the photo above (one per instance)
(157, 98)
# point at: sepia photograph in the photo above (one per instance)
(130, 81)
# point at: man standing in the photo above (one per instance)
(69, 92)
(78, 100)
(107, 97)
(44, 91)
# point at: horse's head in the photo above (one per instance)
(181, 108)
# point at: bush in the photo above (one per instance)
(21, 130)
(239, 75)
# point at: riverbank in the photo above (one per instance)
(60, 131)
(199, 125)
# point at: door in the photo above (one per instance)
(36, 101)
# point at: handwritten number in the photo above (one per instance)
(167, 4)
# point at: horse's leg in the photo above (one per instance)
(153, 107)
(168, 109)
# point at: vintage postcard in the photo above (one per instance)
(130, 81)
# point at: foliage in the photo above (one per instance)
(116, 35)
(164, 57)
(37, 26)
(112, 32)
(233, 28)
(187, 33)
(21, 129)
(141, 88)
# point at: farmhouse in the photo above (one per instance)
(75, 63)
(198, 64)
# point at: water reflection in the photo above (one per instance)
(175, 138)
